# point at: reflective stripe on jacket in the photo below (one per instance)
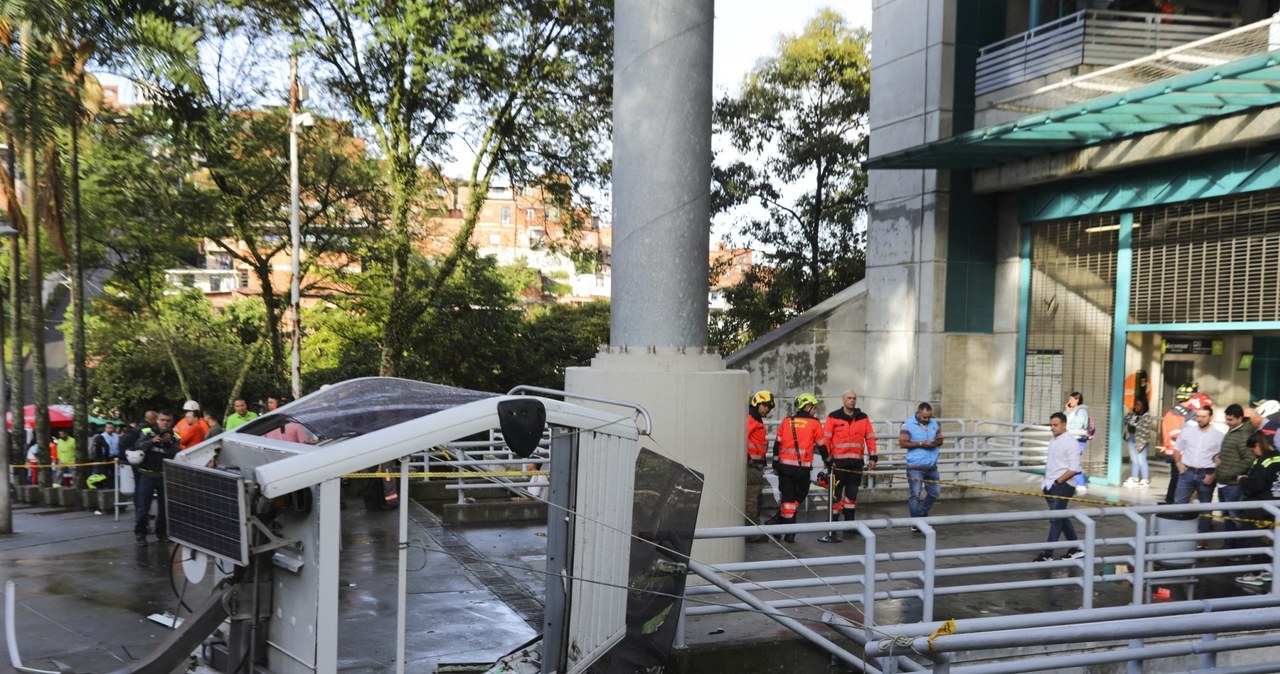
(757, 438)
(849, 436)
(808, 432)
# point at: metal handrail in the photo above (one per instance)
(871, 577)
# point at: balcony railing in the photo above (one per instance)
(1087, 38)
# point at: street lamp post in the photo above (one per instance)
(297, 94)
(6, 509)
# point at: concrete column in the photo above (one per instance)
(661, 211)
(662, 97)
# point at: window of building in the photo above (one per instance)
(505, 217)
(495, 239)
(530, 214)
(536, 234)
(244, 278)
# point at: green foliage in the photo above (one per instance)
(526, 84)
(800, 126)
(132, 355)
(560, 336)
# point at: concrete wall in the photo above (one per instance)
(912, 80)
(821, 352)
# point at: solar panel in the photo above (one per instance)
(206, 510)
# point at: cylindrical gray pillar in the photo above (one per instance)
(661, 172)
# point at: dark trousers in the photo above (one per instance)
(149, 485)
(1056, 496)
(793, 485)
(847, 476)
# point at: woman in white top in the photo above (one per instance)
(1078, 426)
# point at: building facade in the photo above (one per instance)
(1060, 202)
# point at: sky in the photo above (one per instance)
(747, 30)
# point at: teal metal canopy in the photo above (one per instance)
(1248, 83)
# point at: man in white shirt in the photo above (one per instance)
(1062, 464)
(1195, 456)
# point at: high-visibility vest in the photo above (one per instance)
(757, 439)
(808, 433)
(849, 439)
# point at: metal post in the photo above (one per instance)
(295, 232)
(402, 565)
(662, 94)
(561, 501)
(6, 504)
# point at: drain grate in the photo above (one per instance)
(512, 592)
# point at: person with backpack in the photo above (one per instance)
(1080, 426)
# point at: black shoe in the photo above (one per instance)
(758, 538)
(916, 530)
(1043, 557)
(140, 540)
(832, 537)
(162, 538)
(789, 538)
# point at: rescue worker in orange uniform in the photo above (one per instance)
(761, 405)
(799, 436)
(850, 449)
(192, 429)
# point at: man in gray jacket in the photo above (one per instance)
(1233, 465)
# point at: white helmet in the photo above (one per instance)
(1267, 408)
(191, 406)
(134, 456)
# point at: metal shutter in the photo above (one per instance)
(1073, 273)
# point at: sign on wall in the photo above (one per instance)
(1198, 347)
(1043, 385)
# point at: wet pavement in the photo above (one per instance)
(85, 590)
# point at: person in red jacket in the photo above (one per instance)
(757, 450)
(799, 436)
(1189, 400)
(192, 429)
(850, 444)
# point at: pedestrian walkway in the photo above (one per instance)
(85, 591)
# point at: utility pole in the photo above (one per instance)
(295, 230)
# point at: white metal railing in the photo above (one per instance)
(484, 465)
(1088, 37)
(1126, 552)
(975, 451)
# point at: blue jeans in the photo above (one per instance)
(1060, 527)
(928, 479)
(1231, 493)
(1138, 468)
(1191, 481)
(142, 494)
(1080, 480)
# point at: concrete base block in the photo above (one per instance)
(69, 498)
(433, 491)
(49, 496)
(106, 500)
(89, 499)
(495, 511)
(29, 493)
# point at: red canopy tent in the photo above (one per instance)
(60, 416)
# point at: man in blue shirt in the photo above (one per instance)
(921, 437)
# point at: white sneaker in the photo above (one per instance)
(1143, 484)
(1082, 490)
(1131, 482)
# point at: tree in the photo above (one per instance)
(799, 125)
(247, 190)
(531, 76)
